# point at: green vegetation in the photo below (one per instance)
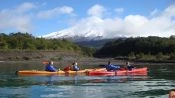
(140, 48)
(25, 41)
(87, 51)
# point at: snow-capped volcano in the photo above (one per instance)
(80, 31)
(75, 36)
(67, 33)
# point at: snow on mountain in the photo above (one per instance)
(73, 34)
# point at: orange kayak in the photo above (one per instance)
(38, 73)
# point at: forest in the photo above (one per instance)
(25, 41)
(137, 48)
(151, 48)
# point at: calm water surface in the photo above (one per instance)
(158, 83)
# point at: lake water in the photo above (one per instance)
(158, 83)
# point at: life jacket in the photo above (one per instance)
(75, 68)
(50, 68)
(130, 67)
(112, 67)
(67, 68)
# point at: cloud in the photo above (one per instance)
(56, 11)
(16, 19)
(162, 24)
(96, 10)
(25, 7)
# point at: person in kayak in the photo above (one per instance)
(110, 67)
(129, 66)
(50, 67)
(75, 67)
(67, 68)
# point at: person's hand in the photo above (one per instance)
(172, 94)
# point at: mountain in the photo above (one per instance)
(76, 36)
(91, 37)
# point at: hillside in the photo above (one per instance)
(152, 47)
(94, 43)
(24, 41)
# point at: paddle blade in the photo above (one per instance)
(45, 62)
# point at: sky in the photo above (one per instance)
(128, 18)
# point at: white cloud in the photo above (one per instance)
(170, 11)
(16, 19)
(55, 11)
(96, 10)
(161, 24)
(25, 7)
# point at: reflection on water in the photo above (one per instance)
(157, 84)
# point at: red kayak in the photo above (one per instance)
(134, 72)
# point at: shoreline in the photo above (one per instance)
(91, 61)
(66, 58)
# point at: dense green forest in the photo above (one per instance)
(25, 41)
(140, 48)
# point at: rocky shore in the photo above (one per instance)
(64, 58)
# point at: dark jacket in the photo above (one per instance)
(50, 68)
(75, 68)
(130, 67)
(111, 67)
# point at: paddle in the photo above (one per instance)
(45, 62)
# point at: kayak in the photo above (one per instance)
(74, 73)
(38, 73)
(134, 72)
(60, 72)
(82, 72)
(90, 72)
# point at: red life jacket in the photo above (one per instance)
(67, 68)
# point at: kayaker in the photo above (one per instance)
(129, 66)
(75, 67)
(50, 67)
(67, 68)
(110, 67)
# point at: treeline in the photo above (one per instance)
(25, 41)
(139, 47)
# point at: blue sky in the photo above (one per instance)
(125, 17)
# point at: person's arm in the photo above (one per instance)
(53, 68)
(76, 68)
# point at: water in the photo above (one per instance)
(157, 84)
